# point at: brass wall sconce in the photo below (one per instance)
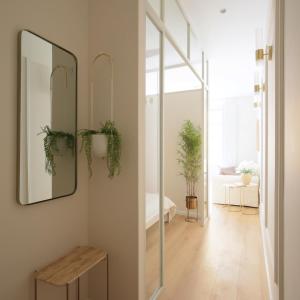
(259, 88)
(261, 53)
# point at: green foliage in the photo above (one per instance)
(51, 148)
(247, 171)
(113, 148)
(86, 144)
(189, 155)
(113, 154)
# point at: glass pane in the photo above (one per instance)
(176, 24)
(152, 156)
(196, 54)
(183, 101)
(178, 76)
(156, 4)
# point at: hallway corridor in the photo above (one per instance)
(222, 261)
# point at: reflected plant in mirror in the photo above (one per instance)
(47, 113)
(53, 148)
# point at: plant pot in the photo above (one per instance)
(99, 145)
(246, 178)
(191, 202)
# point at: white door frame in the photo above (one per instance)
(279, 149)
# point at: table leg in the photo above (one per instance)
(35, 289)
(225, 196)
(198, 211)
(67, 291)
(78, 288)
(241, 198)
(107, 278)
(247, 208)
(229, 201)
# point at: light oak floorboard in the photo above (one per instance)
(221, 261)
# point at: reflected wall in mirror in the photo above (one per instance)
(47, 120)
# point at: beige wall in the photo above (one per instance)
(113, 205)
(292, 150)
(178, 107)
(103, 212)
(32, 236)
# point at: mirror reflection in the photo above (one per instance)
(47, 152)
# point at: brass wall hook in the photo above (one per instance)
(111, 61)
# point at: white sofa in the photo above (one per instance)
(217, 191)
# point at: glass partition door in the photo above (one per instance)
(153, 212)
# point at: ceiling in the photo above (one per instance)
(228, 41)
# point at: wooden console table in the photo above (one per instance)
(70, 268)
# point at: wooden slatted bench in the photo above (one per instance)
(70, 268)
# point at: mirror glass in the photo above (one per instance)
(47, 120)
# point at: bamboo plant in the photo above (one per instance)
(189, 155)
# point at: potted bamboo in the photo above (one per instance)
(189, 158)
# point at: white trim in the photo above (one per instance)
(268, 267)
(279, 154)
(161, 161)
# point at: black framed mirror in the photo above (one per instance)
(47, 120)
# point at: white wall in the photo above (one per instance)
(178, 107)
(232, 132)
(33, 236)
(292, 150)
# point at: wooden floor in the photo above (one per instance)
(222, 261)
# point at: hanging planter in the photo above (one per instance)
(99, 145)
(109, 147)
(104, 143)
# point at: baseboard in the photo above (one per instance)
(267, 259)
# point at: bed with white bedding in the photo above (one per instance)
(152, 209)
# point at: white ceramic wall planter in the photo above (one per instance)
(99, 145)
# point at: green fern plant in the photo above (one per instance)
(113, 158)
(86, 145)
(113, 152)
(51, 148)
(189, 155)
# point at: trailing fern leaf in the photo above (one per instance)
(51, 148)
(113, 148)
(86, 145)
